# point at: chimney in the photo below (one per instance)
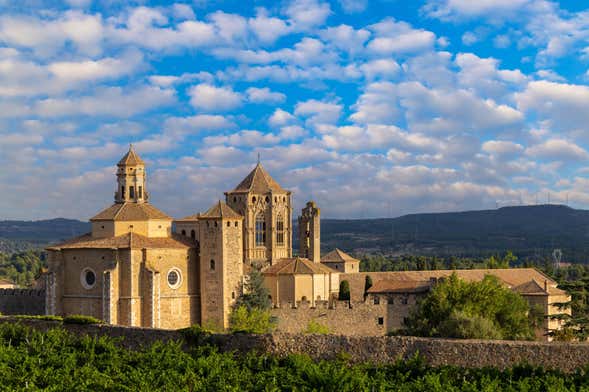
(545, 285)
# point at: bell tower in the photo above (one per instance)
(131, 179)
(310, 232)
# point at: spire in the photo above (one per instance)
(258, 181)
(131, 158)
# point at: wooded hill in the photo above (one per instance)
(529, 231)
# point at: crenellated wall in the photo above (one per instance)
(22, 301)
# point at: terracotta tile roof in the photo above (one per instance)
(130, 212)
(512, 277)
(125, 241)
(221, 210)
(337, 256)
(131, 158)
(400, 286)
(297, 265)
(258, 181)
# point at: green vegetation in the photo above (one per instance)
(58, 361)
(39, 317)
(315, 327)
(483, 310)
(22, 268)
(344, 290)
(251, 313)
(254, 320)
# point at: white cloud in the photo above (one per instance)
(502, 148)
(107, 101)
(214, 99)
(377, 104)
(266, 28)
(318, 112)
(469, 38)
(281, 117)
(558, 149)
(563, 106)
(307, 14)
(264, 95)
(459, 9)
(353, 6)
(380, 68)
(392, 37)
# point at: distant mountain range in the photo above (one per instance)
(532, 231)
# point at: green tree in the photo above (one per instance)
(255, 294)
(459, 309)
(344, 290)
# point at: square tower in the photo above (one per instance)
(221, 263)
(310, 233)
(267, 212)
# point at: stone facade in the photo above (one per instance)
(22, 301)
(267, 212)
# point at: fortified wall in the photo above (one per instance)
(341, 317)
(373, 349)
(22, 301)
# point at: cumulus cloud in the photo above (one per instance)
(392, 37)
(264, 95)
(214, 99)
(558, 149)
(110, 101)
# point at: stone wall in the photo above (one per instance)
(22, 301)
(374, 349)
(343, 317)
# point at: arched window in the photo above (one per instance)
(193, 234)
(260, 230)
(279, 230)
(183, 232)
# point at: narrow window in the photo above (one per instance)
(380, 320)
(376, 300)
(122, 192)
(260, 230)
(228, 224)
(267, 199)
(192, 234)
(132, 192)
(233, 295)
(279, 230)
(140, 192)
(212, 265)
(236, 223)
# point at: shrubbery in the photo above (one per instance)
(59, 361)
(317, 328)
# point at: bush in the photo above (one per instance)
(254, 320)
(344, 291)
(317, 328)
(81, 319)
(461, 325)
(39, 317)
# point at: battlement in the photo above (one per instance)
(22, 301)
(340, 317)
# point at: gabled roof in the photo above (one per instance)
(131, 158)
(258, 181)
(130, 212)
(295, 266)
(338, 256)
(400, 286)
(126, 241)
(221, 210)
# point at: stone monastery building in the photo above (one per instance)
(137, 268)
(140, 267)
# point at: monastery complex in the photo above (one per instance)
(141, 267)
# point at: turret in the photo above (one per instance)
(310, 232)
(131, 179)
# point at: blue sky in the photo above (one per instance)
(372, 109)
